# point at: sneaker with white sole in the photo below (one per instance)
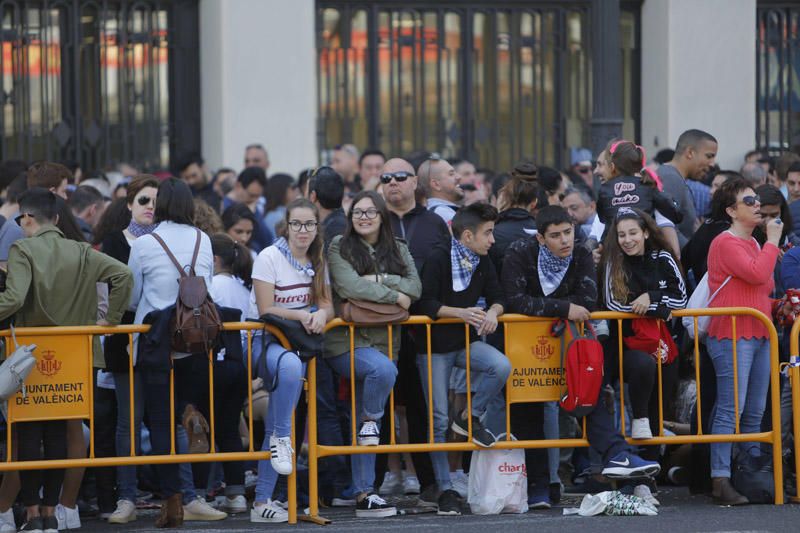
(410, 485)
(643, 491)
(369, 435)
(373, 506)
(7, 522)
(281, 453)
(460, 482)
(33, 525)
(640, 428)
(68, 518)
(392, 483)
(125, 512)
(198, 510)
(268, 513)
(235, 505)
(629, 465)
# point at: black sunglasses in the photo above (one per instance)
(19, 217)
(144, 200)
(751, 200)
(399, 177)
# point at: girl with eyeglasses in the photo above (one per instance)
(742, 272)
(368, 263)
(290, 280)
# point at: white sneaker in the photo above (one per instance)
(125, 512)
(410, 485)
(199, 510)
(67, 518)
(643, 492)
(237, 504)
(281, 453)
(250, 479)
(369, 435)
(391, 484)
(640, 429)
(7, 523)
(460, 482)
(268, 513)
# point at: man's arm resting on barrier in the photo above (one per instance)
(17, 284)
(120, 283)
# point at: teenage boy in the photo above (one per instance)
(454, 278)
(549, 276)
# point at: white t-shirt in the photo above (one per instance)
(292, 287)
(228, 291)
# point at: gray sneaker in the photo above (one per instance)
(480, 435)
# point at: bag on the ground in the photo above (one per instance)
(613, 503)
(498, 482)
(651, 335)
(701, 299)
(582, 366)
(15, 369)
(196, 322)
(752, 475)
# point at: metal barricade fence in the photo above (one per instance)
(76, 388)
(794, 379)
(520, 334)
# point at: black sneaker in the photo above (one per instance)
(480, 435)
(555, 493)
(34, 525)
(449, 503)
(429, 497)
(49, 524)
(373, 506)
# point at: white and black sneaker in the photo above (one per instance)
(480, 435)
(369, 435)
(268, 512)
(373, 506)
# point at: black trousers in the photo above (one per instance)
(105, 430)
(32, 437)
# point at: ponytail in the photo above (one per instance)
(234, 256)
(630, 159)
(522, 188)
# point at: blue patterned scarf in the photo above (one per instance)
(552, 269)
(137, 230)
(283, 246)
(465, 263)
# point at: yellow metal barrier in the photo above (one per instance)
(525, 340)
(77, 382)
(794, 380)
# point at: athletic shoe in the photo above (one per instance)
(643, 491)
(67, 518)
(449, 503)
(628, 465)
(199, 510)
(539, 497)
(373, 506)
(460, 482)
(678, 475)
(640, 429)
(125, 512)
(237, 504)
(268, 513)
(555, 492)
(50, 524)
(429, 497)
(410, 485)
(480, 435)
(391, 484)
(250, 479)
(369, 435)
(34, 525)
(281, 452)
(7, 522)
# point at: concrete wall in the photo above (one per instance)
(699, 71)
(257, 62)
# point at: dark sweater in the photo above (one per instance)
(628, 191)
(437, 290)
(524, 294)
(423, 231)
(510, 226)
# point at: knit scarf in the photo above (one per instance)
(283, 246)
(552, 270)
(137, 230)
(465, 263)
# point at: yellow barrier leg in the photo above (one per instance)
(313, 453)
(794, 372)
(292, 480)
(777, 434)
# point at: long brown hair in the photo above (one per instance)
(387, 254)
(319, 288)
(614, 257)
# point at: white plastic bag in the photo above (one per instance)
(498, 482)
(700, 299)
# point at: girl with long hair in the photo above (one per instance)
(290, 280)
(233, 267)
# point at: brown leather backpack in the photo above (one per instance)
(196, 323)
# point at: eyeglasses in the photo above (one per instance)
(144, 200)
(584, 170)
(370, 213)
(399, 177)
(751, 200)
(19, 217)
(296, 225)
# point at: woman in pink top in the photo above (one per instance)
(735, 254)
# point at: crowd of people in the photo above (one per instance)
(420, 235)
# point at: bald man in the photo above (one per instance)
(442, 185)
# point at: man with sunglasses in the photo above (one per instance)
(442, 185)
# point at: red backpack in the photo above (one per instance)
(582, 366)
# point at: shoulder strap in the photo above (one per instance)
(718, 289)
(169, 253)
(196, 251)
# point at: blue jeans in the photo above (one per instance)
(126, 475)
(375, 377)
(488, 398)
(282, 402)
(333, 471)
(753, 364)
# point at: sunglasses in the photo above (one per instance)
(751, 200)
(468, 187)
(144, 200)
(399, 177)
(19, 217)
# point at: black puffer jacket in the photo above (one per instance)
(628, 191)
(510, 226)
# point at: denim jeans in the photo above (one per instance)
(375, 377)
(333, 472)
(282, 402)
(488, 399)
(551, 432)
(753, 367)
(126, 475)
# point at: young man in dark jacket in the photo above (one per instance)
(453, 280)
(549, 276)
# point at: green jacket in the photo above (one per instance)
(348, 284)
(52, 281)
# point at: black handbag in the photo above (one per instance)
(752, 475)
(304, 344)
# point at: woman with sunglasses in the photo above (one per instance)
(368, 263)
(742, 272)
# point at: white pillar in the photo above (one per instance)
(258, 81)
(699, 71)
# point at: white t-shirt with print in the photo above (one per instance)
(227, 291)
(292, 287)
